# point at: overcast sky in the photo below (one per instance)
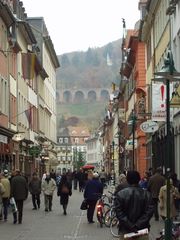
(75, 25)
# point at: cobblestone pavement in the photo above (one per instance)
(39, 225)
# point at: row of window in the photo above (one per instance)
(67, 140)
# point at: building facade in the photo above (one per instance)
(28, 85)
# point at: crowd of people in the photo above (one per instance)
(137, 198)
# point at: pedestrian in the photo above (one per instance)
(35, 190)
(176, 183)
(75, 179)
(133, 206)
(155, 182)
(92, 192)
(122, 183)
(6, 195)
(53, 174)
(19, 190)
(64, 191)
(2, 190)
(174, 194)
(81, 179)
(48, 186)
(58, 178)
(144, 181)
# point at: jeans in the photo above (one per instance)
(90, 210)
(48, 202)
(19, 213)
(36, 200)
(5, 207)
(156, 213)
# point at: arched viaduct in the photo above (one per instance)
(82, 95)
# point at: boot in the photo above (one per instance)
(64, 208)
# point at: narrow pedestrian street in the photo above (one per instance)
(39, 225)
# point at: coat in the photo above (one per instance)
(93, 189)
(155, 183)
(19, 188)
(48, 186)
(6, 183)
(35, 186)
(2, 190)
(64, 197)
(134, 208)
(174, 194)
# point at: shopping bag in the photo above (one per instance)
(84, 205)
(140, 235)
(13, 205)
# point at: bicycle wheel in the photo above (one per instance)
(106, 208)
(108, 217)
(114, 227)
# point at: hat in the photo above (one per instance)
(95, 175)
(6, 173)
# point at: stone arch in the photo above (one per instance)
(92, 96)
(67, 97)
(104, 95)
(79, 97)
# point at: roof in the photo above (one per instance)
(79, 131)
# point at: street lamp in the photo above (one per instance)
(167, 74)
(132, 122)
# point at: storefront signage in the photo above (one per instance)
(129, 144)
(3, 139)
(149, 127)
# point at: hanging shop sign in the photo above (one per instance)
(149, 126)
(175, 101)
(159, 102)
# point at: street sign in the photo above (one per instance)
(34, 150)
(175, 101)
(149, 127)
(129, 144)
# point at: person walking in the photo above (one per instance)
(19, 190)
(133, 206)
(64, 191)
(92, 192)
(174, 195)
(155, 182)
(35, 190)
(122, 183)
(6, 195)
(48, 186)
(2, 190)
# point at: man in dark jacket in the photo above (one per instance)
(133, 205)
(35, 190)
(93, 191)
(19, 190)
(155, 182)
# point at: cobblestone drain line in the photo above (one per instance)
(75, 234)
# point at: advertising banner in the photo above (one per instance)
(159, 102)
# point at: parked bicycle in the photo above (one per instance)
(110, 213)
(102, 207)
